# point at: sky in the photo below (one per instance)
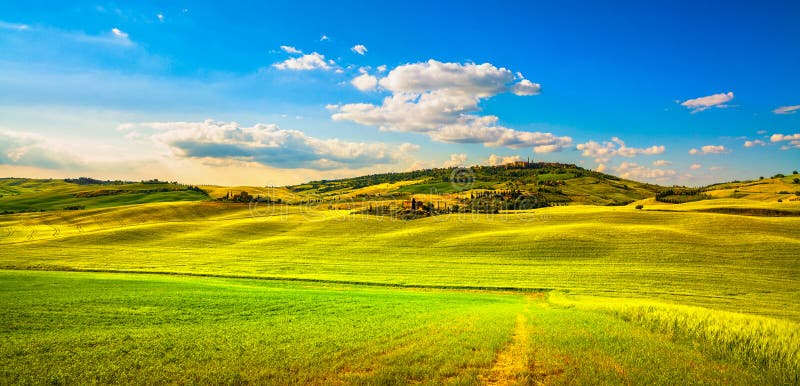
(262, 93)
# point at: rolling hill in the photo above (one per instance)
(600, 280)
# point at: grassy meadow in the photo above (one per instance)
(201, 291)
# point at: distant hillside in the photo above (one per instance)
(33, 195)
(519, 185)
(555, 182)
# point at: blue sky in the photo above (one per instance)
(267, 94)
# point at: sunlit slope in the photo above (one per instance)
(557, 182)
(746, 263)
(766, 190)
(31, 195)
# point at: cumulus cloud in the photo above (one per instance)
(291, 50)
(709, 149)
(786, 109)
(409, 148)
(695, 166)
(441, 100)
(603, 152)
(365, 82)
(324, 38)
(118, 33)
(754, 143)
(359, 49)
(482, 80)
(525, 87)
(792, 139)
(661, 162)
(497, 160)
(29, 149)
(707, 102)
(268, 144)
(312, 61)
(634, 171)
(455, 160)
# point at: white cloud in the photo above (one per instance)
(160, 17)
(706, 102)
(118, 33)
(754, 143)
(793, 139)
(14, 26)
(661, 162)
(324, 38)
(525, 87)
(482, 80)
(359, 49)
(782, 137)
(603, 152)
(306, 62)
(633, 171)
(409, 148)
(381, 68)
(291, 50)
(474, 129)
(695, 166)
(267, 144)
(709, 149)
(786, 109)
(28, 149)
(365, 82)
(455, 160)
(441, 100)
(497, 160)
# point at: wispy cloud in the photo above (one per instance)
(707, 102)
(14, 26)
(786, 109)
(119, 33)
(291, 50)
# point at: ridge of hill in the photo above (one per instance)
(554, 182)
(494, 187)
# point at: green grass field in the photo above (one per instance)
(124, 328)
(208, 292)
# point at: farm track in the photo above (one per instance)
(513, 361)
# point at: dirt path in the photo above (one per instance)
(511, 364)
